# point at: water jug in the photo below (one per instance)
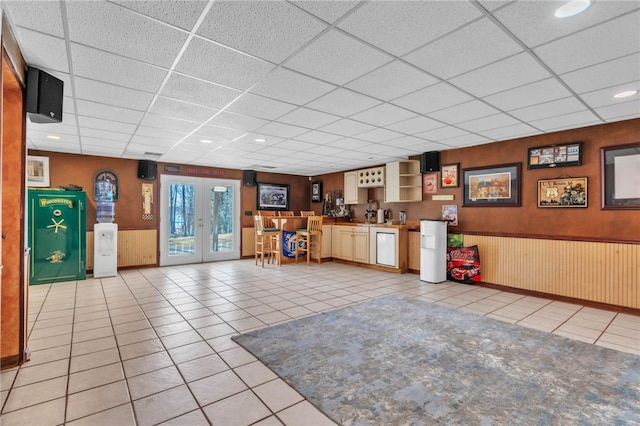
(105, 209)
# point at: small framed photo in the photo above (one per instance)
(620, 176)
(565, 192)
(316, 192)
(430, 183)
(492, 186)
(37, 171)
(450, 214)
(449, 175)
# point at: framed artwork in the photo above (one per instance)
(450, 214)
(542, 157)
(449, 175)
(620, 176)
(565, 192)
(110, 177)
(430, 183)
(272, 196)
(493, 186)
(316, 192)
(37, 171)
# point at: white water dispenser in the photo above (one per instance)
(433, 250)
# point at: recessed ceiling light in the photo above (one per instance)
(572, 8)
(625, 94)
(260, 140)
(205, 141)
(53, 137)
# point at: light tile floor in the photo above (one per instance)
(152, 346)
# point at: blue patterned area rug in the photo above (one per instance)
(402, 361)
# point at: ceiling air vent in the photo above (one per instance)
(153, 154)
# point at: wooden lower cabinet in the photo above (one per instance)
(350, 243)
(414, 251)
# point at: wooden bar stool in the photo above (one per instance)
(286, 214)
(267, 242)
(309, 240)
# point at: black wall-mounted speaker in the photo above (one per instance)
(249, 178)
(430, 162)
(44, 97)
(147, 169)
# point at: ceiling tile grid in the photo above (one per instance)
(330, 85)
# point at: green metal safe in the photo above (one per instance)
(57, 236)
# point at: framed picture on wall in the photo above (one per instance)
(430, 183)
(449, 175)
(565, 192)
(620, 176)
(492, 186)
(272, 196)
(561, 155)
(37, 171)
(316, 192)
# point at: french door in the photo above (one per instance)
(199, 220)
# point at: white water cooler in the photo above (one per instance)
(433, 250)
(105, 250)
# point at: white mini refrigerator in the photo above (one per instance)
(433, 250)
(105, 250)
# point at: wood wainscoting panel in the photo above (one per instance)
(248, 242)
(595, 271)
(136, 247)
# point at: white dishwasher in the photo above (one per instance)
(384, 246)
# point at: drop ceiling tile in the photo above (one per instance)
(486, 123)
(108, 112)
(415, 125)
(606, 41)
(399, 30)
(260, 107)
(104, 143)
(181, 13)
(379, 135)
(182, 110)
(45, 16)
(346, 127)
(96, 91)
(117, 30)
(566, 121)
(465, 140)
(506, 74)
(325, 150)
(464, 50)
(491, 5)
(337, 58)
(295, 145)
(237, 121)
(350, 143)
(44, 51)
(510, 132)
(433, 98)
(308, 118)
(68, 107)
(622, 110)
(463, 112)
(604, 97)
(318, 137)
(64, 128)
(534, 22)
(383, 115)
(107, 67)
(615, 72)
(218, 64)
(104, 134)
(101, 151)
(405, 142)
(102, 124)
(290, 86)
(269, 30)
(168, 123)
(391, 81)
(67, 138)
(219, 132)
(160, 135)
(437, 135)
(248, 140)
(327, 10)
(425, 146)
(343, 102)
(529, 94)
(281, 130)
(548, 109)
(188, 89)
